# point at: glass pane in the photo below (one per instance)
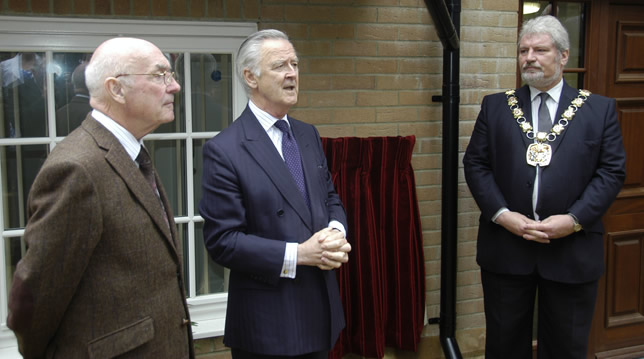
(211, 88)
(14, 249)
(179, 123)
(197, 149)
(169, 160)
(210, 276)
(19, 166)
(570, 15)
(24, 112)
(70, 92)
(532, 9)
(574, 79)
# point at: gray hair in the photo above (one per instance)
(249, 54)
(550, 25)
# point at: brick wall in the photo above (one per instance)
(369, 68)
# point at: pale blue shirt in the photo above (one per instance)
(267, 121)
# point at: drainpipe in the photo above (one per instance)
(446, 15)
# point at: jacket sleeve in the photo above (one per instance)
(478, 166)
(62, 231)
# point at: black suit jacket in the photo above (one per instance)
(585, 174)
(252, 207)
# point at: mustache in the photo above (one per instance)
(533, 65)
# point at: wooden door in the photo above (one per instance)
(616, 69)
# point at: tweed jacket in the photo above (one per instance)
(102, 275)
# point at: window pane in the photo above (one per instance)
(19, 166)
(179, 123)
(574, 79)
(570, 15)
(70, 91)
(211, 88)
(169, 160)
(210, 276)
(14, 249)
(24, 112)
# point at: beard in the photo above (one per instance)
(538, 79)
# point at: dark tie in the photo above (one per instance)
(545, 123)
(291, 154)
(145, 165)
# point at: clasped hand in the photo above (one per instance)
(553, 227)
(327, 249)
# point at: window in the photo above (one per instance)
(38, 57)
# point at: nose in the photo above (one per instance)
(173, 86)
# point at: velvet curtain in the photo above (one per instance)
(383, 284)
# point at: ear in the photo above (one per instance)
(250, 79)
(564, 57)
(114, 89)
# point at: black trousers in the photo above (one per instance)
(565, 313)
(240, 354)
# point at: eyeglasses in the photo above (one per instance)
(166, 75)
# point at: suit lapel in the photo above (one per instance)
(260, 147)
(523, 94)
(125, 167)
(567, 95)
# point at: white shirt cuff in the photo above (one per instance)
(290, 261)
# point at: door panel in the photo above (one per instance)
(616, 69)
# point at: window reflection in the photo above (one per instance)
(210, 276)
(19, 166)
(169, 160)
(71, 94)
(24, 112)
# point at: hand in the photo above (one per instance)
(522, 226)
(554, 227)
(327, 249)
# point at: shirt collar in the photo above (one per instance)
(128, 141)
(265, 119)
(555, 92)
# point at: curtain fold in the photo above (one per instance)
(383, 284)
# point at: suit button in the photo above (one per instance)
(185, 322)
(280, 213)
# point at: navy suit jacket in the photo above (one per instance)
(252, 207)
(585, 175)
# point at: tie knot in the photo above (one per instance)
(544, 96)
(283, 126)
(143, 159)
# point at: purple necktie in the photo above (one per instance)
(145, 165)
(291, 154)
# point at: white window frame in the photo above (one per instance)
(46, 34)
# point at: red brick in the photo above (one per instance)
(63, 7)
(102, 7)
(121, 7)
(178, 8)
(215, 8)
(197, 9)
(141, 8)
(251, 9)
(355, 48)
(17, 6)
(40, 6)
(307, 13)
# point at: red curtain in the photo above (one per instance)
(383, 284)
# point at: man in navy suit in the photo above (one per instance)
(542, 189)
(281, 233)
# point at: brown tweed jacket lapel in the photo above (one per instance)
(125, 167)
